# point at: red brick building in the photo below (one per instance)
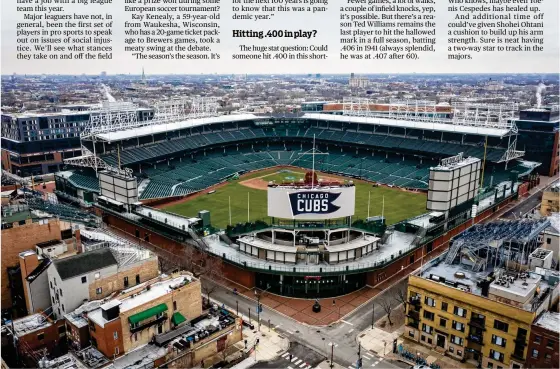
(543, 342)
(37, 334)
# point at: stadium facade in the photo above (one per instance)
(398, 146)
(38, 143)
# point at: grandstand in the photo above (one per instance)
(180, 157)
(184, 157)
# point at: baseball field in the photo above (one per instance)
(248, 198)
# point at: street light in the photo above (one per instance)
(372, 314)
(259, 307)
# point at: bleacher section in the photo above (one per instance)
(395, 143)
(187, 176)
(84, 182)
(63, 211)
(190, 161)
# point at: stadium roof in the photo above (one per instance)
(440, 127)
(169, 127)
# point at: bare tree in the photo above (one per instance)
(387, 305)
(195, 260)
(213, 273)
(166, 265)
(400, 297)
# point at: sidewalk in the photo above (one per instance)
(270, 346)
(379, 341)
(327, 364)
(431, 356)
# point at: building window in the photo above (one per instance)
(430, 301)
(490, 365)
(547, 356)
(423, 338)
(458, 326)
(60, 292)
(84, 279)
(459, 352)
(550, 343)
(61, 329)
(116, 350)
(451, 349)
(457, 340)
(501, 325)
(444, 306)
(98, 290)
(116, 335)
(497, 340)
(52, 299)
(174, 305)
(411, 334)
(51, 284)
(548, 241)
(459, 311)
(535, 354)
(125, 282)
(538, 340)
(63, 308)
(427, 328)
(442, 322)
(135, 337)
(496, 355)
(137, 278)
(429, 315)
(41, 336)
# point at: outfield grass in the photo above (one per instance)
(399, 205)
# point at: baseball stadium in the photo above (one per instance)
(304, 205)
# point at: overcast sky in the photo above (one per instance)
(327, 26)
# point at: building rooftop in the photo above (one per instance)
(139, 358)
(84, 263)
(169, 127)
(144, 296)
(30, 324)
(523, 290)
(549, 320)
(440, 127)
(16, 216)
(78, 317)
(67, 361)
(92, 358)
(554, 219)
(44, 264)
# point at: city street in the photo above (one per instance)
(321, 339)
(526, 205)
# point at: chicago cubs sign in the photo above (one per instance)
(313, 202)
(318, 203)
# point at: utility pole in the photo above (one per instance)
(332, 354)
(359, 355)
(249, 316)
(259, 311)
(372, 314)
(237, 307)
